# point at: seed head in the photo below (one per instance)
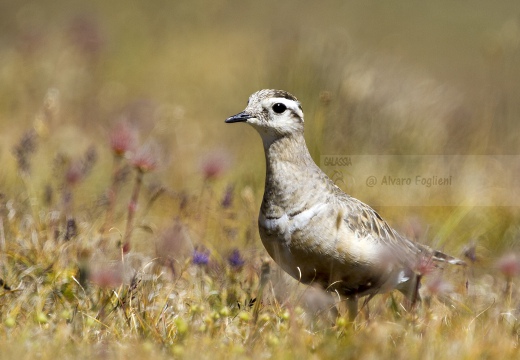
(215, 164)
(174, 242)
(80, 168)
(74, 173)
(425, 265)
(123, 138)
(145, 158)
(25, 147)
(107, 276)
(509, 265)
(85, 34)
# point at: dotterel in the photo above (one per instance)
(312, 229)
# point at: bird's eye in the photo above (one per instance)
(279, 108)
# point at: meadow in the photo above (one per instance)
(128, 208)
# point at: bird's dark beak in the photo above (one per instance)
(240, 117)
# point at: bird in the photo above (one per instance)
(316, 232)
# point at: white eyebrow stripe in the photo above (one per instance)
(291, 104)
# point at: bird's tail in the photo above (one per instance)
(442, 257)
(439, 256)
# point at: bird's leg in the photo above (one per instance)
(415, 297)
(365, 306)
(352, 307)
(411, 293)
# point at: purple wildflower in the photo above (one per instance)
(200, 258)
(235, 259)
(227, 200)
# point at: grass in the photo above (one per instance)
(128, 208)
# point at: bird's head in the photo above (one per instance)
(273, 113)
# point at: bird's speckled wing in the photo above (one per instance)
(366, 222)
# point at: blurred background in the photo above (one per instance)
(395, 78)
